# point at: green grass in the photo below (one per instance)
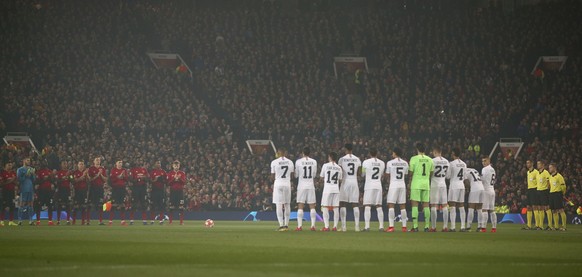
(255, 249)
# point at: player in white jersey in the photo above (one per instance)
(305, 171)
(438, 189)
(474, 179)
(281, 172)
(349, 190)
(488, 178)
(373, 169)
(332, 175)
(396, 172)
(457, 189)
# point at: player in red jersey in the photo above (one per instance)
(138, 187)
(97, 179)
(63, 191)
(177, 182)
(80, 192)
(158, 191)
(119, 178)
(9, 186)
(44, 192)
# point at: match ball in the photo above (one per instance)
(209, 223)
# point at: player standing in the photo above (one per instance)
(349, 190)
(26, 177)
(557, 191)
(438, 190)
(45, 192)
(306, 170)
(9, 188)
(281, 172)
(421, 168)
(532, 188)
(177, 182)
(331, 173)
(457, 189)
(63, 192)
(97, 178)
(373, 169)
(139, 177)
(488, 177)
(119, 178)
(396, 171)
(475, 203)
(543, 196)
(80, 192)
(158, 192)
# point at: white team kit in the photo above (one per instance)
(474, 178)
(349, 191)
(397, 169)
(373, 169)
(332, 175)
(306, 170)
(438, 186)
(488, 178)
(282, 168)
(457, 175)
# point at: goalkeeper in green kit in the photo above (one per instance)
(421, 168)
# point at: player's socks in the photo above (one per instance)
(542, 218)
(556, 218)
(357, 218)
(426, 217)
(453, 211)
(299, 218)
(50, 213)
(549, 214)
(380, 213)
(484, 217)
(325, 212)
(564, 218)
(279, 209)
(404, 217)
(38, 214)
(144, 216)
(181, 217)
(529, 218)
(391, 216)
(100, 215)
(415, 217)
(131, 215)
(463, 216)
(313, 215)
(287, 213)
(336, 215)
(343, 214)
(122, 214)
(74, 217)
(433, 217)
(171, 218)
(445, 217)
(367, 215)
(493, 217)
(470, 216)
(480, 218)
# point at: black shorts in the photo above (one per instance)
(118, 195)
(544, 197)
(80, 197)
(96, 196)
(157, 198)
(139, 196)
(45, 197)
(532, 197)
(62, 196)
(7, 199)
(176, 198)
(556, 202)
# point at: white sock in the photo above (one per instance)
(404, 217)
(453, 211)
(445, 217)
(391, 216)
(287, 213)
(336, 216)
(367, 215)
(279, 208)
(470, 217)
(493, 216)
(463, 216)
(299, 218)
(380, 216)
(325, 212)
(480, 218)
(484, 218)
(313, 215)
(433, 217)
(343, 212)
(357, 218)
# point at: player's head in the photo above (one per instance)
(81, 165)
(373, 152)
(420, 147)
(119, 164)
(176, 165)
(349, 147)
(26, 161)
(157, 165)
(64, 165)
(436, 151)
(332, 156)
(306, 151)
(486, 161)
(553, 168)
(281, 152)
(456, 153)
(97, 161)
(541, 165)
(529, 164)
(8, 165)
(139, 162)
(396, 152)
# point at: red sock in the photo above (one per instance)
(50, 213)
(181, 217)
(86, 214)
(83, 217)
(131, 214)
(38, 215)
(74, 216)
(100, 215)
(161, 217)
(144, 216)
(153, 215)
(171, 217)
(122, 214)
(59, 214)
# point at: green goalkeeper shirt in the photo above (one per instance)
(421, 167)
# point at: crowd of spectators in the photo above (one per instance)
(76, 76)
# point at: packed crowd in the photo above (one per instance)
(76, 77)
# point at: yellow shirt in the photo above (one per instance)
(557, 183)
(532, 179)
(544, 180)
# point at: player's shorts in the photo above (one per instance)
(281, 194)
(556, 202)
(118, 195)
(330, 199)
(62, 196)
(306, 196)
(350, 192)
(373, 197)
(157, 198)
(475, 197)
(176, 198)
(438, 195)
(488, 200)
(96, 196)
(420, 195)
(544, 197)
(44, 197)
(532, 197)
(26, 196)
(139, 196)
(396, 196)
(457, 195)
(80, 197)
(8, 199)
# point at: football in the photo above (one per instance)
(209, 223)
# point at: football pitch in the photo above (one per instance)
(256, 249)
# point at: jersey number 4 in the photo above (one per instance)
(334, 177)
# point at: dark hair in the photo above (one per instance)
(420, 147)
(456, 152)
(306, 151)
(349, 146)
(397, 151)
(437, 148)
(333, 156)
(373, 152)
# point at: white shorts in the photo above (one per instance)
(373, 197)
(475, 197)
(396, 196)
(330, 199)
(306, 196)
(488, 200)
(438, 195)
(281, 195)
(350, 193)
(457, 195)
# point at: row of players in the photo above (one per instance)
(427, 187)
(80, 190)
